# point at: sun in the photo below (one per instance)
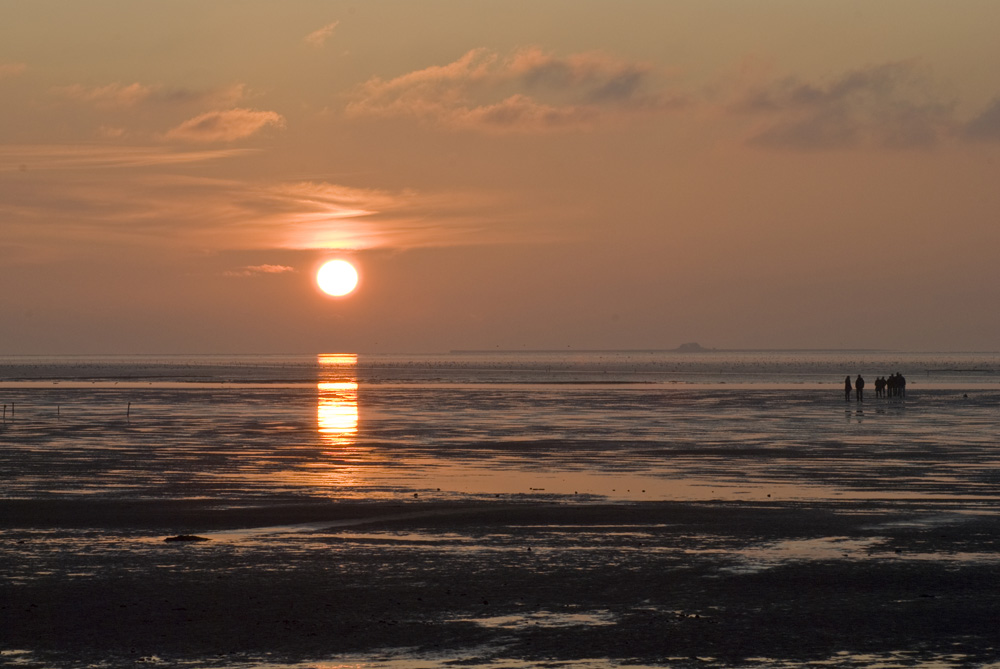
(337, 278)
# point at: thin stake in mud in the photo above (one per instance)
(128, 411)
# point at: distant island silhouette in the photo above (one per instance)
(691, 347)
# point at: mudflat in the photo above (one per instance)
(530, 581)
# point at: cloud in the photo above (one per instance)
(257, 270)
(320, 215)
(59, 208)
(529, 91)
(986, 126)
(32, 157)
(110, 96)
(893, 105)
(226, 96)
(318, 38)
(521, 113)
(117, 96)
(225, 126)
(11, 70)
(590, 77)
(111, 132)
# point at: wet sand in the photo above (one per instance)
(461, 512)
(527, 581)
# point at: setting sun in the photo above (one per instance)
(337, 278)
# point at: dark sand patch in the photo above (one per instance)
(629, 583)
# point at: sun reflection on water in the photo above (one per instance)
(337, 412)
(337, 423)
(337, 401)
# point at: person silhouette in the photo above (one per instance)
(859, 389)
(848, 386)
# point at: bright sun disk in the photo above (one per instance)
(337, 277)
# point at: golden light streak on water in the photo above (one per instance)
(337, 412)
(337, 399)
(337, 418)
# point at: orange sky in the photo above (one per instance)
(540, 175)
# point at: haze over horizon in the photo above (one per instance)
(547, 175)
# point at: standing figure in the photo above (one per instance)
(901, 384)
(859, 389)
(848, 386)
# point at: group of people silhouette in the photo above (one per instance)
(894, 386)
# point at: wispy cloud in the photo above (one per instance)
(225, 126)
(319, 37)
(144, 207)
(126, 96)
(528, 91)
(10, 70)
(520, 113)
(143, 110)
(109, 96)
(588, 77)
(31, 157)
(257, 270)
(985, 126)
(111, 132)
(319, 215)
(893, 105)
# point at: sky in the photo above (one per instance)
(567, 175)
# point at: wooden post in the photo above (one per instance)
(128, 410)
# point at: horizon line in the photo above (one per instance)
(681, 349)
(460, 351)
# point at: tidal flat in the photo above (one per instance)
(508, 511)
(522, 583)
